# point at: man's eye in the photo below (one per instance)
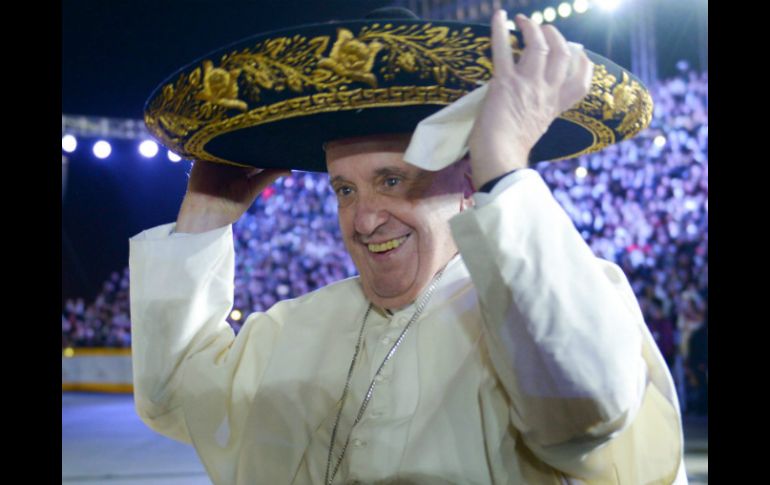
(344, 191)
(392, 181)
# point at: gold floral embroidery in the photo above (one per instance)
(634, 104)
(624, 105)
(352, 58)
(302, 79)
(220, 87)
(321, 103)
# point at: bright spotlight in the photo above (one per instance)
(236, 315)
(581, 172)
(174, 157)
(580, 6)
(102, 149)
(148, 148)
(608, 5)
(69, 143)
(565, 9)
(660, 141)
(549, 14)
(537, 17)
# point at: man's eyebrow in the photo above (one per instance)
(391, 170)
(336, 179)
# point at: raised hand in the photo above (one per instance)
(524, 98)
(218, 195)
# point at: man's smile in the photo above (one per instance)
(387, 245)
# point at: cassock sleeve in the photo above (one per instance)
(567, 339)
(188, 384)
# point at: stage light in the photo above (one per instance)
(148, 148)
(608, 5)
(174, 157)
(565, 9)
(102, 149)
(660, 141)
(580, 6)
(69, 143)
(537, 17)
(549, 14)
(581, 172)
(236, 315)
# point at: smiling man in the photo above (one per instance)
(482, 342)
(394, 216)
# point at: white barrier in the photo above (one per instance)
(96, 369)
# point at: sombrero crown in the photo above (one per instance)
(272, 100)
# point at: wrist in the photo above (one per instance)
(197, 216)
(484, 173)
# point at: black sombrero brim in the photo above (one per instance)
(272, 100)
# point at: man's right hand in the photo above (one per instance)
(218, 195)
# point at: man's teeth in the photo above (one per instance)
(387, 246)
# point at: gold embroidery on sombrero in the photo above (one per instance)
(351, 58)
(637, 104)
(321, 103)
(626, 102)
(220, 87)
(603, 135)
(188, 106)
(432, 51)
(194, 110)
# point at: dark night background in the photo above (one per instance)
(115, 53)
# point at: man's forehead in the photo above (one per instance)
(382, 143)
(377, 171)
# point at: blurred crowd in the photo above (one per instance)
(642, 203)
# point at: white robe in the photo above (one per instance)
(530, 364)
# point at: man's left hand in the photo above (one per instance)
(524, 99)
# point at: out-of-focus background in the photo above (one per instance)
(642, 203)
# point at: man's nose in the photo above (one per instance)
(369, 215)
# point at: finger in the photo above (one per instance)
(579, 84)
(253, 172)
(535, 55)
(266, 177)
(559, 56)
(584, 75)
(502, 55)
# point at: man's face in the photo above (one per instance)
(394, 216)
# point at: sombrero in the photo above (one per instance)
(272, 100)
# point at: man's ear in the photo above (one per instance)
(468, 188)
(468, 191)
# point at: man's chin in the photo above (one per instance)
(391, 299)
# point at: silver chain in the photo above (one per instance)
(420, 307)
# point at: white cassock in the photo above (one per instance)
(531, 363)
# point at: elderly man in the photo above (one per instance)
(483, 342)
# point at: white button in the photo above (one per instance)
(358, 443)
(400, 321)
(381, 378)
(386, 340)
